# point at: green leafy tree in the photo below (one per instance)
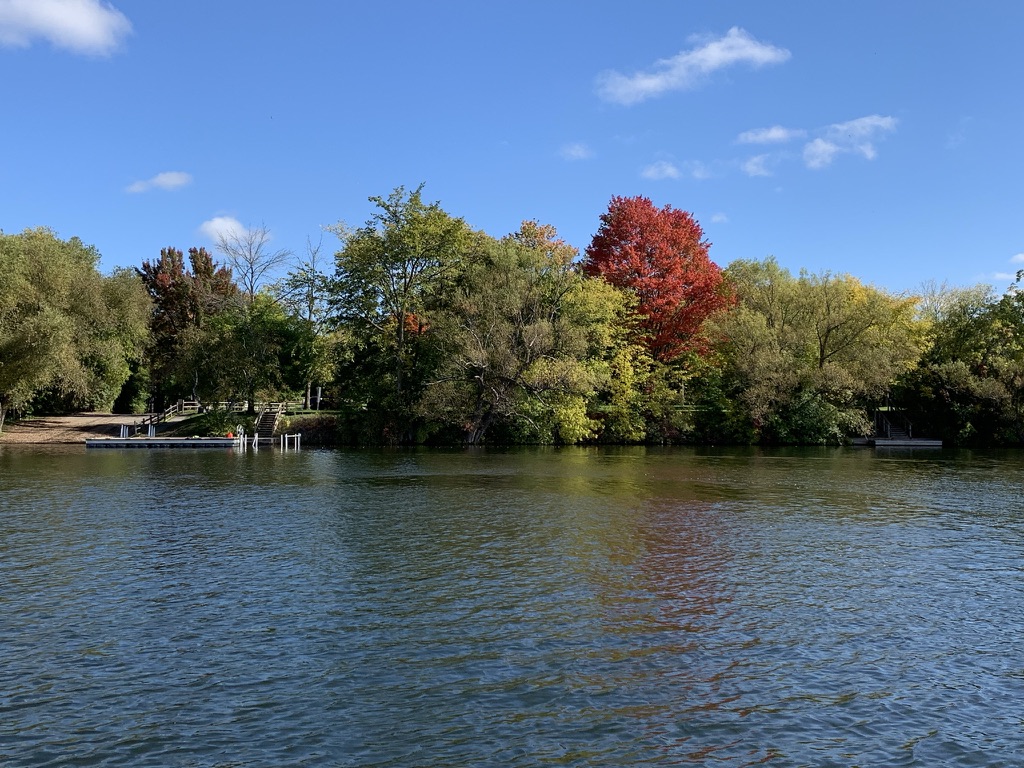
(304, 293)
(969, 386)
(252, 347)
(806, 358)
(387, 273)
(68, 336)
(525, 342)
(124, 335)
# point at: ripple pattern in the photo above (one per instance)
(576, 607)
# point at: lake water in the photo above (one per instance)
(605, 607)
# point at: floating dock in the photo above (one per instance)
(897, 442)
(905, 442)
(242, 441)
(161, 442)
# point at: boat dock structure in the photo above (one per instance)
(241, 441)
(899, 442)
(161, 442)
(894, 430)
(143, 433)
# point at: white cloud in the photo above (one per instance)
(719, 218)
(854, 136)
(660, 170)
(82, 26)
(863, 127)
(222, 226)
(699, 171)
(820, 153)
(576, 151)
(1018, 259)
(686, 69)
(756, 166)
(1003, 276)
(166, 180)
(777, 134)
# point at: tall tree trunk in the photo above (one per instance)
(475, 435)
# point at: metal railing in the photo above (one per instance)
(891, 421)
(287, 441)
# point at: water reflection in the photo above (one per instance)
(579, 607)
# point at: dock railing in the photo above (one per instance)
(892, 423)
(182, 406)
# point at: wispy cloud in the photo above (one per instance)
(699, 170)
(757, 166)
(958, 135)
(820, 153)
(81, 26)
(777, 134)
(660, 171)
(1018, 259)
(863, 128)
(166, 180)
(222, 226)
(854, 136)
(688, 68)
(576, 151)
(719, 218)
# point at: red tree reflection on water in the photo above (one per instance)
(680, 649)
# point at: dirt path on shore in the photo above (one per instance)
(64, 429)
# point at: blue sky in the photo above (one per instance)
(877, 138)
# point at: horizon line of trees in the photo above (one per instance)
(423, 330)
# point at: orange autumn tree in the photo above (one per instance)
(660, 255)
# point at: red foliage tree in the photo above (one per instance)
(182, 301)
(660, 255)
(182, 298)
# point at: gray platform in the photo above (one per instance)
(161, 442)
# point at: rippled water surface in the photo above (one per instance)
(539, 607)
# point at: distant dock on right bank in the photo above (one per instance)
(897, 442)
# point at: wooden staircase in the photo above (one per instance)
(893, 429)
(892, 425)
(266, 421)
(898, 433)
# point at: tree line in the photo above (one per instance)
(424, 330)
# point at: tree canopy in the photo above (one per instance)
(659, 254)
(67, 334)
(806, 358)
(185, 301)
(427, 331)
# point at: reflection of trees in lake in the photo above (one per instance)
(683, 555)
(665, 654)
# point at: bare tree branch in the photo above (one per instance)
(251, 257)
